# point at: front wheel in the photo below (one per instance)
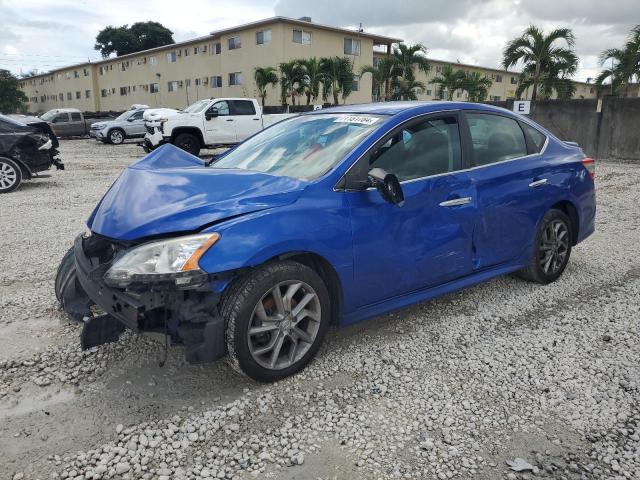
(551, 250)
(10, 175)
(116, 136)
(276, 318)
(188, 143)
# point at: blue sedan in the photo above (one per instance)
(331, 217)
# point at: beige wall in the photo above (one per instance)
(139, 72)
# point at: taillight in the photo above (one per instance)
(590, 165)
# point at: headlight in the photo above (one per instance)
(173, 260)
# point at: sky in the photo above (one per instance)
(43, 35)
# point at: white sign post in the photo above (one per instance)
(522, 106)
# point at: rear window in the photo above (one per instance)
(242, 107)
(75, 117)
(537, 138)
(495, 138)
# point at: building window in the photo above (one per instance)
(186, 52)
(498, 78)
(514, 80)
(78, 95)
(198, 82)
(86, 72)
(495, 98)
(76, 74)
(67, 76)
(234, 43)
(172, 86)
(61, 96)
(216, 81)
(235, 78)
(195, 50)
(428, 92)
(69, 97)
(351, 46)
(172, 57)
(216, 49)
(355, 86)
(154, 87)
(123, 90)
(123, 67)
(263, 36)
(153, 60)
(87, 94)
(302, 36)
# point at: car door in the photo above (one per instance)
(427, 240)
(510, 178)
(247, 120)
(77, 125)
(219, 125)
(61, 125)
(135, 124)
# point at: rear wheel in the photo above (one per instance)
(116, 136)
(10, 175)
(551, 250)
(276, 319)
(73, 300)
(188, 143)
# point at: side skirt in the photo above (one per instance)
(412, 298)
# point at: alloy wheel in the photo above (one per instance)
(8, 176)
(554, 247)
(284, 325)
(116, 137)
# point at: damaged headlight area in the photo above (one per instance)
(173, 262)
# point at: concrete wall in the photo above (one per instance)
(611, 133)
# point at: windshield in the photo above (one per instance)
(124, 115)
(304, 147)
(197, 107)
(48, 115)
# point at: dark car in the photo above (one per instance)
(25, 150)
(333, 216)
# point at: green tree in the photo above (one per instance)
(542, 56)
(625, 64)
(476, 85)
(337, 78)
(264, 77)
(139, 36)
(382, 73)
(449, 80)
(291, 81)
(12, 99)
(408, 58)
(403, 89)
(555, 78)
(313, 77)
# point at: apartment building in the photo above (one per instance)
(222, 64)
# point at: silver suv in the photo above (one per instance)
(128, 125)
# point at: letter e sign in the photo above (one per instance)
(522, 107)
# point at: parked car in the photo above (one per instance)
(211, 123)
(25, 150)
(69, 122)
(330, 217)
(129, 124)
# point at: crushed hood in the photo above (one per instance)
(172, 191)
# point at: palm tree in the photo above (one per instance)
(476, 85)
(312, 78)
(264, 77)
(403, 89)
(449, 80)
(381, 73)
(554, 78)
(540, 54)
(337, 77)
(625, 63)
(410, 57)
(291, 81)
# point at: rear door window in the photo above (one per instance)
(75, 117)
(495, 138)
(242, 107)
(536, 137)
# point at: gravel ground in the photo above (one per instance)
(505, 380)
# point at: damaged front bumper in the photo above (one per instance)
(188, 317)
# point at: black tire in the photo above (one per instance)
(116, 136)
(188, 143)
(535, 271)
(238, 306)
(10, 175)
(72, 298)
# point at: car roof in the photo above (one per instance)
(417, 107)
(65, 110)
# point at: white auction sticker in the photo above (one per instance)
(357, 119)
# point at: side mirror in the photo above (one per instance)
(211, 113)
(388, 185)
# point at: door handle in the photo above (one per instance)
(538, 183)
(256, 119)
(229, 119)
(456, 202)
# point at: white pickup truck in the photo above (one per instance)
(212, 123)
